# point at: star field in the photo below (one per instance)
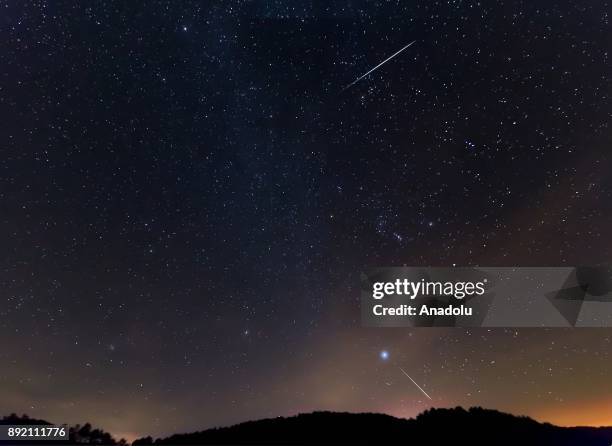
(187, 197)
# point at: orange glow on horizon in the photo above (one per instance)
(588, 414)
(594, 414)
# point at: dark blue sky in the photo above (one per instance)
(187, 197)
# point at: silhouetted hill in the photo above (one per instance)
(21, 420)
(458, 426)
(443, 427)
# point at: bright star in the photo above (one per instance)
(384, 355)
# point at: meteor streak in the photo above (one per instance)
(424, 393)
(377, 66)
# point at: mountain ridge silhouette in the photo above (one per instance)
(453, 426)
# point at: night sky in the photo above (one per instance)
(188, 196)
